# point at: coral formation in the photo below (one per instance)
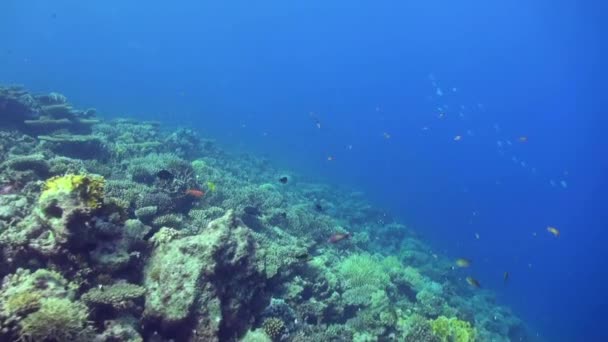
(124, 231)
(57, 319)
(274, 328)
(452, 329)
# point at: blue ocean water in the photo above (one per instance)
(478, 123)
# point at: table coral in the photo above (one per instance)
(116, 296)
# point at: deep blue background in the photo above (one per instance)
(249, 73)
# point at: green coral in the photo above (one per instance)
(164, 235)
(256, 336)
(453, 330)
(23, 290)
(58, 319)
(23, 303)
(363, 270)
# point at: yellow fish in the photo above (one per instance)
(473, 282)
(462, 262)
(553, 231)
(211, 186)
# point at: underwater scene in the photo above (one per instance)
(290, 171)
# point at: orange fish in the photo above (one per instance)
(553, 231)
(195, 193)
(337, 237)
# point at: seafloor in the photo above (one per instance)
(121, 231)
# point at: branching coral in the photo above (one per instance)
(274, 328)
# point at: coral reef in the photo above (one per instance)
(123, 230)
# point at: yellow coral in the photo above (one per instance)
(88, 188)
(453, 329)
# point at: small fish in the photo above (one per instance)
(284, 180)
(318, 207)
(165, 175)
(553, 231)
(458, 138)
(386, 135)
(251, 210)
(337, 237)
(563, 184)
(195, 193)
(505, 277)
(473, 282)
(315, 119)
(523, 139)
(477, 236)
(211, 186)
(330, 158)
(439, 92)
(462, 262)
(7, 189)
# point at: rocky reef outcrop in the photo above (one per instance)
(208, 285)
